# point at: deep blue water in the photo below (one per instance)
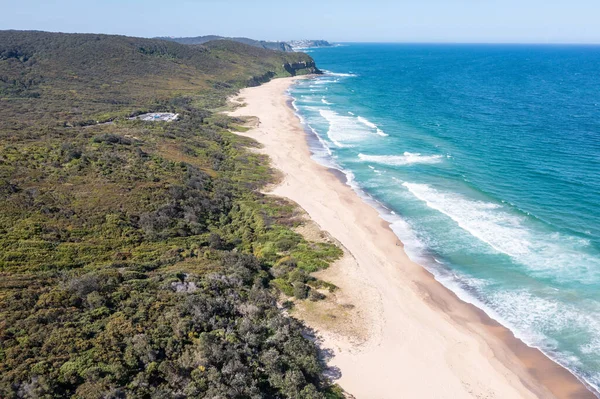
(486, 159)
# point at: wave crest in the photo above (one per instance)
(342, 75)
(373, 126)
(512, 234)
(408, 158)
(345, 131)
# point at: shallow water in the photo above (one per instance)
(486, 160)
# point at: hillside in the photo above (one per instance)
(104, 73)
(140, 258)
(290, 46)
(279, 46)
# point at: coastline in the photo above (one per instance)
(420, 339)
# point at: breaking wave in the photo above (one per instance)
(407, 158)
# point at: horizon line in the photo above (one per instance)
(468, 42)
(440, 42)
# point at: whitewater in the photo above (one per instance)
(486, 162)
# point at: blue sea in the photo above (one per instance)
(485, 159)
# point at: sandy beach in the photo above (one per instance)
(392, 330)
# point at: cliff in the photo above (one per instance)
(301, 68)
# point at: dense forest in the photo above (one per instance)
(280, 46)
(139, 259)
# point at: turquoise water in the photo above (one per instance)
(486, 160)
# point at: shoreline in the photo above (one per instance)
(418, 330)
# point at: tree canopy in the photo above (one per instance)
(139, 259)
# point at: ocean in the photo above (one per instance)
(485, 159)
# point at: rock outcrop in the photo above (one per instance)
(301, 68)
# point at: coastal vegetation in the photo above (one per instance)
(139, 259)
(279, 46)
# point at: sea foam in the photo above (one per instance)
(510, 232)
(407, 158)
(321, 82)
(534, 318)
(342, 75)
(344, 131)
(373, 126)
(367, 122)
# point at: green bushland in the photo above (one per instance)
(280, 46)
(139, 259)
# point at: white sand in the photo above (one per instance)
(419, 340)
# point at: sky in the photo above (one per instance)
(471, 21)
